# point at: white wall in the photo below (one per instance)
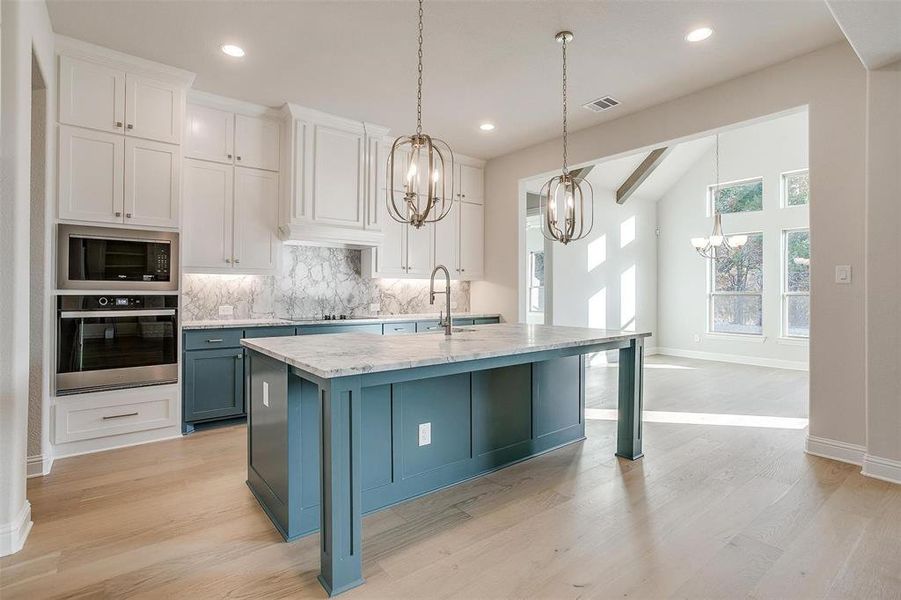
(609, 279)
(832, 83)
(23, 26)
(765, 149)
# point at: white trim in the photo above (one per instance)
(736, 337)
(125, 62)
(88, 449)
(834, 449)
(651, 350)
(794, 365)
(231, 105)
(38, 465)
(13, 534)
(885, 469)
(793, 341)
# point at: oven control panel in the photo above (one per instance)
(106, 302)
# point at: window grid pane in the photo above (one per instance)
(743, 270)
(796, 285)
(737, 313)
(741, 196)
(796, 188)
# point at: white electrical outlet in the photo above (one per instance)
(843, 274)
(265, 393)
(425, 434)
(226, 310)
(697, 337)
(375, 307)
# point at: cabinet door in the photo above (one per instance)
(447, 241)
(214, 384)
(152, 109)
(338, 176)
(256, 220)
(91, 166)
(391, 255)
(472, 240)
(207, 215)
(256, 142)
(91, 95)
(420, 249)
(472, 183)
(375, 181)
(151, 183)
(210, 134)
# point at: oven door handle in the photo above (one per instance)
(81, 314)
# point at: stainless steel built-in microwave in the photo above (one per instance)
(104, 258)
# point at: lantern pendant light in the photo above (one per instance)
(567, 203)
(427, 167)
(717, 245)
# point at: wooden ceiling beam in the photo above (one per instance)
(642, 172)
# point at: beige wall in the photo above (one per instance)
(832, 83)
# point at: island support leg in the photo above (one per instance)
(341, 519)
(631, 391)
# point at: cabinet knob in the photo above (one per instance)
(129, 126)
(238, 157)
(118, 123)
(237, 260)
(127, 215)
(239, 356)
(118, 213)
(228, 260)
(228, 156)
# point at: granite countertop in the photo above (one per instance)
(339, 355)
(269, 322)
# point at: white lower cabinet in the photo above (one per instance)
(230, 218)
(151, 183)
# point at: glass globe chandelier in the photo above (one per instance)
(428, 167)
(567, 203)
(717, 244)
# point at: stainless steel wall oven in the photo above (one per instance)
(112, 342)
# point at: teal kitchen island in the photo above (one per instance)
(340, 425)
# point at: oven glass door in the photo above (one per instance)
(118, 259)
(103, 349)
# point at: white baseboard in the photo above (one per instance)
(836, 450)
(127, 440)
(651, 350)
(757, 361)
(12, 535)
(885, 469)
(39, 465)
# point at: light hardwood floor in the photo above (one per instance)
(710, 512)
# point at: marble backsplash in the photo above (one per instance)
(311, 282)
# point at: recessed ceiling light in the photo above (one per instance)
(699, 35)
(232, 50)
(487, 126)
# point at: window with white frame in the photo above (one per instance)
(745, 195)
(796, 188)
(736, 290)
(796, 283)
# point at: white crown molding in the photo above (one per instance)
(13, 534)
(885, 469)
(232, 105)
(119, 60)
(39, 465)
(756, 361)
(834, 449)
(323, 118)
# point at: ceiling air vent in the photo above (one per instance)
(602, 103)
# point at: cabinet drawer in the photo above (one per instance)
(486, 321)
(259, 332)
(209, 339)
(312, 329)
(464, 322)
(423, 326)
(89, 416)
(395, 328)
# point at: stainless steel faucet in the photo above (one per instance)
(445, 320)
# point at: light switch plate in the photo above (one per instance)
(226, 310)
(265, 393)
(425, 434)
(843, 274)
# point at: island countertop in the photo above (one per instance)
(344, 354)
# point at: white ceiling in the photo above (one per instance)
(494, 60)
(872, 27)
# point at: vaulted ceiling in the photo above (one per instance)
(484, 61)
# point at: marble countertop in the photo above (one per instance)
(342, 354)
(226, 323)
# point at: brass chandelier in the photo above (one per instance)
(717, 244)
(567, 203)
(428, 168)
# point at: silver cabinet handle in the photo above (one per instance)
(237, 260)
(131, 414)
(96, 314)
(239, 356)
(228, 156)
(129, 126)
(238, 157)
(118, 213)
(228, 260)
(118, 123)
(127, 215)
(214, 341)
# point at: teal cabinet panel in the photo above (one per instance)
(260, 332)
(424, 326)
(486, 321)
(395, 328)
(502, 407)
(364, 328)
(268, 430)
(444, 403)
(213, 385)
(462, 322)
(556, 394)
(210, 339)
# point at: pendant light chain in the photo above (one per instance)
(419, 82)
(716, 172)
(565, 165)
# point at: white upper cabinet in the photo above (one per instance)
(151, 183)
(153, 109)
(470, 183)
(447, 241)
(207, 221)
(420, 250)
(91, 171)
(91, 95)
(472, 240)
(338, 157)
(256, 220)
(210, 134)
(256, 142)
